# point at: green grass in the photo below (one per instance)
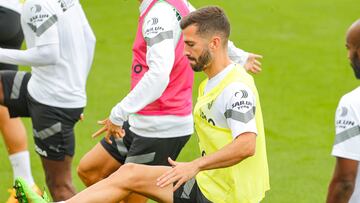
(305, 72)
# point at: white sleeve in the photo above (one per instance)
(42, 19)
(37, 56)
(237, 55)
(89, 37)
(161, 31)
(240, 109)
(347, 140)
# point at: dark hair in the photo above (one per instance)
(209, 20)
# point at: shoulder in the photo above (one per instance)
(238, 88)
(160, 18)
(351, 99)
(38, 10)
(238, 96)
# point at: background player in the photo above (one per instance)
(60, 47)
(13, 130)
(345, 184)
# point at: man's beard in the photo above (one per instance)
(203, 61)
(355, 64)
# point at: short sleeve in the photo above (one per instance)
(347, 140)
(240, 109)
(161, 23)
(41, 17)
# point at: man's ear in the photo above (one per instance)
(215, 43)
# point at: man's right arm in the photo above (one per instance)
(346, 150)
(44, 28)
(343, 182)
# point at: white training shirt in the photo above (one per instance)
(60, 50)
(160, 59)
(236, 99)
(347, 141)
(14, 5)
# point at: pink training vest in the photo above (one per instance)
(177, 97)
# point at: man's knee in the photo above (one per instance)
(88, 175)
(130, 175)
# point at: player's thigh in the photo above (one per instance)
(142, 179)
(53, 129)
(97, 162)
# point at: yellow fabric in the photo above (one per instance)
(247, 181)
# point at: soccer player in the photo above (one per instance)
(345, 183)
(60, 47)
(228, 121)
(156, 114)
(158, 107)
(13, 130)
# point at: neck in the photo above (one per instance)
(220, 61)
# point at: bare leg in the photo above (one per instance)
(15, 139)
(58, 178)
(96, 165)
(126, 180)
(13, 132)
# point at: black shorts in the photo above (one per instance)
(144, 150)
(11, 35)
(53, 127)
(190, 192)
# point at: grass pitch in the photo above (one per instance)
(305, 72)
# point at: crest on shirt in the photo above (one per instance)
(343, 111)
(242, 94)
(36, 8)
(66, 4)
(152, 21)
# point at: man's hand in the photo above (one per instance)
(110, 129)
(253, 64)
(180, 173)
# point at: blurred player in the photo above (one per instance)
(228, 120)
(13, 130)
(60, 46)
(158, 107)
(345, 184)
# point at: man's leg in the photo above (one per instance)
(54, 137)
(103, 160)
(129, 179)
(13, 131)
(58, 178)
(14, 135)
(96, 165)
